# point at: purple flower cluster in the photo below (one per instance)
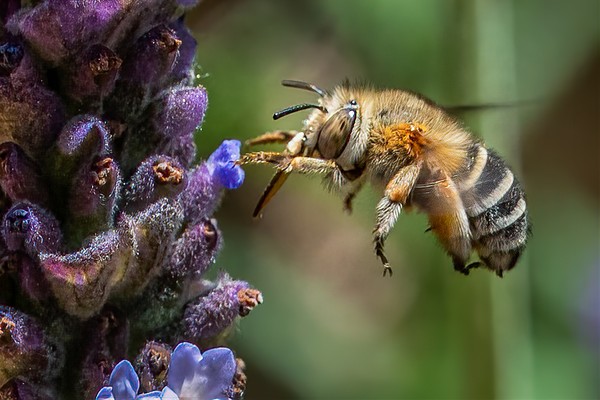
(106, 223)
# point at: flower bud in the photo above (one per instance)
(11, 53)
(157, 177)
(152, 57)
(57, 30)
(182, 111)
(19, 176)
(94, 74)
(93, 197)
(151, 232)
(30, 228)
(209, 316)
(82, 281)
(183, 71)
(206, 182)
(106, 339)
(30, 116)
(24, 349)
(195, 250)
(84, 138)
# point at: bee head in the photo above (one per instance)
(329, 129)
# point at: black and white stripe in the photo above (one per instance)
(495, 204)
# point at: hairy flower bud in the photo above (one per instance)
(181, 112)
(30, 228)
(82, 281)
(84, 138)
(58, 29)
(182, 71)
(93, 75)
(207, 181)
(30, 115)
(213, 314)
(20, 178)
(106, 343)
(152, 57)
(157, 177)
(24, 349)
(11, 53)
(195, 250)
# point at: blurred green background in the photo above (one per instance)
(331, 327)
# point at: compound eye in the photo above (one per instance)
(335, 132)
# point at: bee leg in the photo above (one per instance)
(348, 202)
(389, 208)
(351, 191)
(310, 165)
(265, 157)
(272, 137)
(289, 163)
(459, 266)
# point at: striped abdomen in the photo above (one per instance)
(495, 205)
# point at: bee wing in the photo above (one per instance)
(272, 188)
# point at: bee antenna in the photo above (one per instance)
(305, 86)
(296, 108)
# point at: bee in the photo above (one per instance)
(419, 156)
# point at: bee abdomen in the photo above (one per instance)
(497, 211)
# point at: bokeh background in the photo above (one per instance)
(331, 327)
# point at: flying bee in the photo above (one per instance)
(419, 156)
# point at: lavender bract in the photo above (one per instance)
(107, 224)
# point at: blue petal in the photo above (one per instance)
(213, 375)
(105, 394)
(222, 164)
(168, 394)
(184, 360)
(124, 381)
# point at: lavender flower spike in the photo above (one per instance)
(107, 225)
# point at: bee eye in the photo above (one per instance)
(335, 133)
(353, 102)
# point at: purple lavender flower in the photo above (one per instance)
(209, 316)
(207, 181)
(206, 376)
(192, 376)
(107, 223)
(221, 164)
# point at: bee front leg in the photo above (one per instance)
(389, 208)
(289, 163)
(272, 137)
(265, 157)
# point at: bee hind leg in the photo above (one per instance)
(387, 214)
(460, 266)
(389, 208)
